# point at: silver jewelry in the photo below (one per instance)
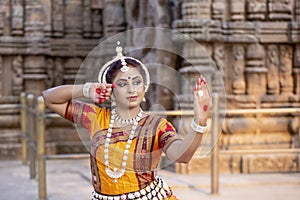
(124, 68)
(115, 174)
(197, 128)
(156, 190)
(86, 90)
(200, 93)
(120, 56)
(125, 121)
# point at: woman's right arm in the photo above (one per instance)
(57, 98)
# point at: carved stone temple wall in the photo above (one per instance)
(255, 44)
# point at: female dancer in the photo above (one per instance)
(126, 143)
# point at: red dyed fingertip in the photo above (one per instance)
(101, 100)
(113, 85)
(195, 88)
(98, 90)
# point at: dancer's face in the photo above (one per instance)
(130, 89)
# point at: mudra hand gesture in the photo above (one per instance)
(202, 100)
(98, 92)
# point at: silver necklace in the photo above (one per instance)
(115, 173)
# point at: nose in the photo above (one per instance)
(131, 88)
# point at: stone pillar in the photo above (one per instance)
(92, 18)
(237, 10)
(17, 18)
(73, 18)
(219, 8)
(58, 18)
(296, 70)
(34, 16)
(196, 9)
(285, 72)
(17, 66)
(5, 14)
(256, 9)
(87, 16)
(47, 5)
(280, 10)
(113, 17)
(273, 70)
(297, 10)
(255, 70)
(34, 74)
(1, 76)
(238, 70)
(97, 14)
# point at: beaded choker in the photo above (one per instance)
(115, 174)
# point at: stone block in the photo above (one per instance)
(270, 163)
(273, 32)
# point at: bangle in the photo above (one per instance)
(196, 127)
(86, 90)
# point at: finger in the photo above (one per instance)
(201, 80)
(101, 100)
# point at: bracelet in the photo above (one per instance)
(86, 90)
(196, 127)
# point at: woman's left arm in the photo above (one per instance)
(183, 150)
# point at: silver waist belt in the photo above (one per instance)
(156, 190)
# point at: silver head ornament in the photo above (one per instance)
(124, 68)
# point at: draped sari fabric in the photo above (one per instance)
(153, 136)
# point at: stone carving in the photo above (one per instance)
(1, 76)
(5, 17)
(97, 23)
(280, 9)
(238, 85)
(113, 17)
(218, 56)
(34, 15)
(97, 4)
(2, 14)
(297, 10)
(87, 16)
(219, 10)
(17, 75)
(59, 71)
(92, 19)
(72, 19)
(237, 10)
(255, 70)
(273, 69)
(256, 9)
(58, 18)
(50, 73)
(196, 9)
(296, 69)
(17, 24)
(285, 72)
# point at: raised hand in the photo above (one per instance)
(100, 92)
(202, 101)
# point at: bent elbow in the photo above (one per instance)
(45, 96)
(184, 160)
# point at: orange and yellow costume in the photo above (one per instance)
(153, 136)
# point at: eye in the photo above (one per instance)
(121, 84)
(137, 82)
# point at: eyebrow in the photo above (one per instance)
(123, 79)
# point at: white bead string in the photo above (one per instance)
(115, 174)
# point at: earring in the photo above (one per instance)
(144, 100)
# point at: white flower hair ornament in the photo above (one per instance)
(124, 68)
